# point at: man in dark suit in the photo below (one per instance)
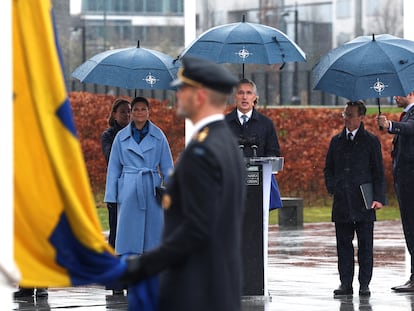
(200, 254)
(354, 158)
(403, 171)
(257, 134)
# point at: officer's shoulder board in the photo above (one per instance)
(202, 135)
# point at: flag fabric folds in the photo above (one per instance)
(275, 199)
(58, 239)
(144, 296)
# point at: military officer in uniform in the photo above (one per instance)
(199, 259)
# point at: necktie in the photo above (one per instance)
(244, 117)
(350, 135)
(402, 115)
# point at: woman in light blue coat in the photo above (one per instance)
(140, 161)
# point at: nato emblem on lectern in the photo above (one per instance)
(253, 179)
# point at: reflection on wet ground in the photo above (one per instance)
(302, 274)
(303, 270)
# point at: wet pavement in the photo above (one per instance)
(302, 275)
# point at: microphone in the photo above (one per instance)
(254, 148)
(251, 142)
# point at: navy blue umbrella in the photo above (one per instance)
(245, 43)
(367, 67)
(129, 68)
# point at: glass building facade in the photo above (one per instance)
(157, 24)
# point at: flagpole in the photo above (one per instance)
(408, 6)
(8, 269)
(189, 36)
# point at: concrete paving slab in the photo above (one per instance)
(302, 274)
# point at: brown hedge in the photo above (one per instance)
(304, 135)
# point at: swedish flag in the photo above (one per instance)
(57, 235)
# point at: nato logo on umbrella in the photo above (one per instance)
(151, 80)
(379, 87)
(243, 54)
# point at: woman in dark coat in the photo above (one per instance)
(118, 119)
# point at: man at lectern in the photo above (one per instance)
(256, 132)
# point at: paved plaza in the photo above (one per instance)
(302, 275)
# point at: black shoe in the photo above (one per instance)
(24, 293)
(343, 290)
(364, 291)
(41, 292)
(405, 288)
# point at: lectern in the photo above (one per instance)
(255, 225)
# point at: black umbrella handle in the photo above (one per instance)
(379, 112)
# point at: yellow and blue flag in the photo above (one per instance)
(58, 239)
(57, 235)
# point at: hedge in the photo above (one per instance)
(304, 135)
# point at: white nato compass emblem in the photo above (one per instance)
(243, 53)
(150, 79)
(379, 87)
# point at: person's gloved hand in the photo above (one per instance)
(134, 272)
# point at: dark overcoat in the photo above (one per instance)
(348, 165)
(403, 148)
(200, 254)
(260, 129)
(403, 170)
(107, 139)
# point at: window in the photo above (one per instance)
(134, 6)
(343, 9)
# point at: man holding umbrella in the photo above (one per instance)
(403, 171)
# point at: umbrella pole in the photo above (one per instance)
(379, 111)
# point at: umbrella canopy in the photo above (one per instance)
(367, 67)
(129, 68)
(241, 43)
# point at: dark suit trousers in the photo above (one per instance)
(345, 250)
(404, 192)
